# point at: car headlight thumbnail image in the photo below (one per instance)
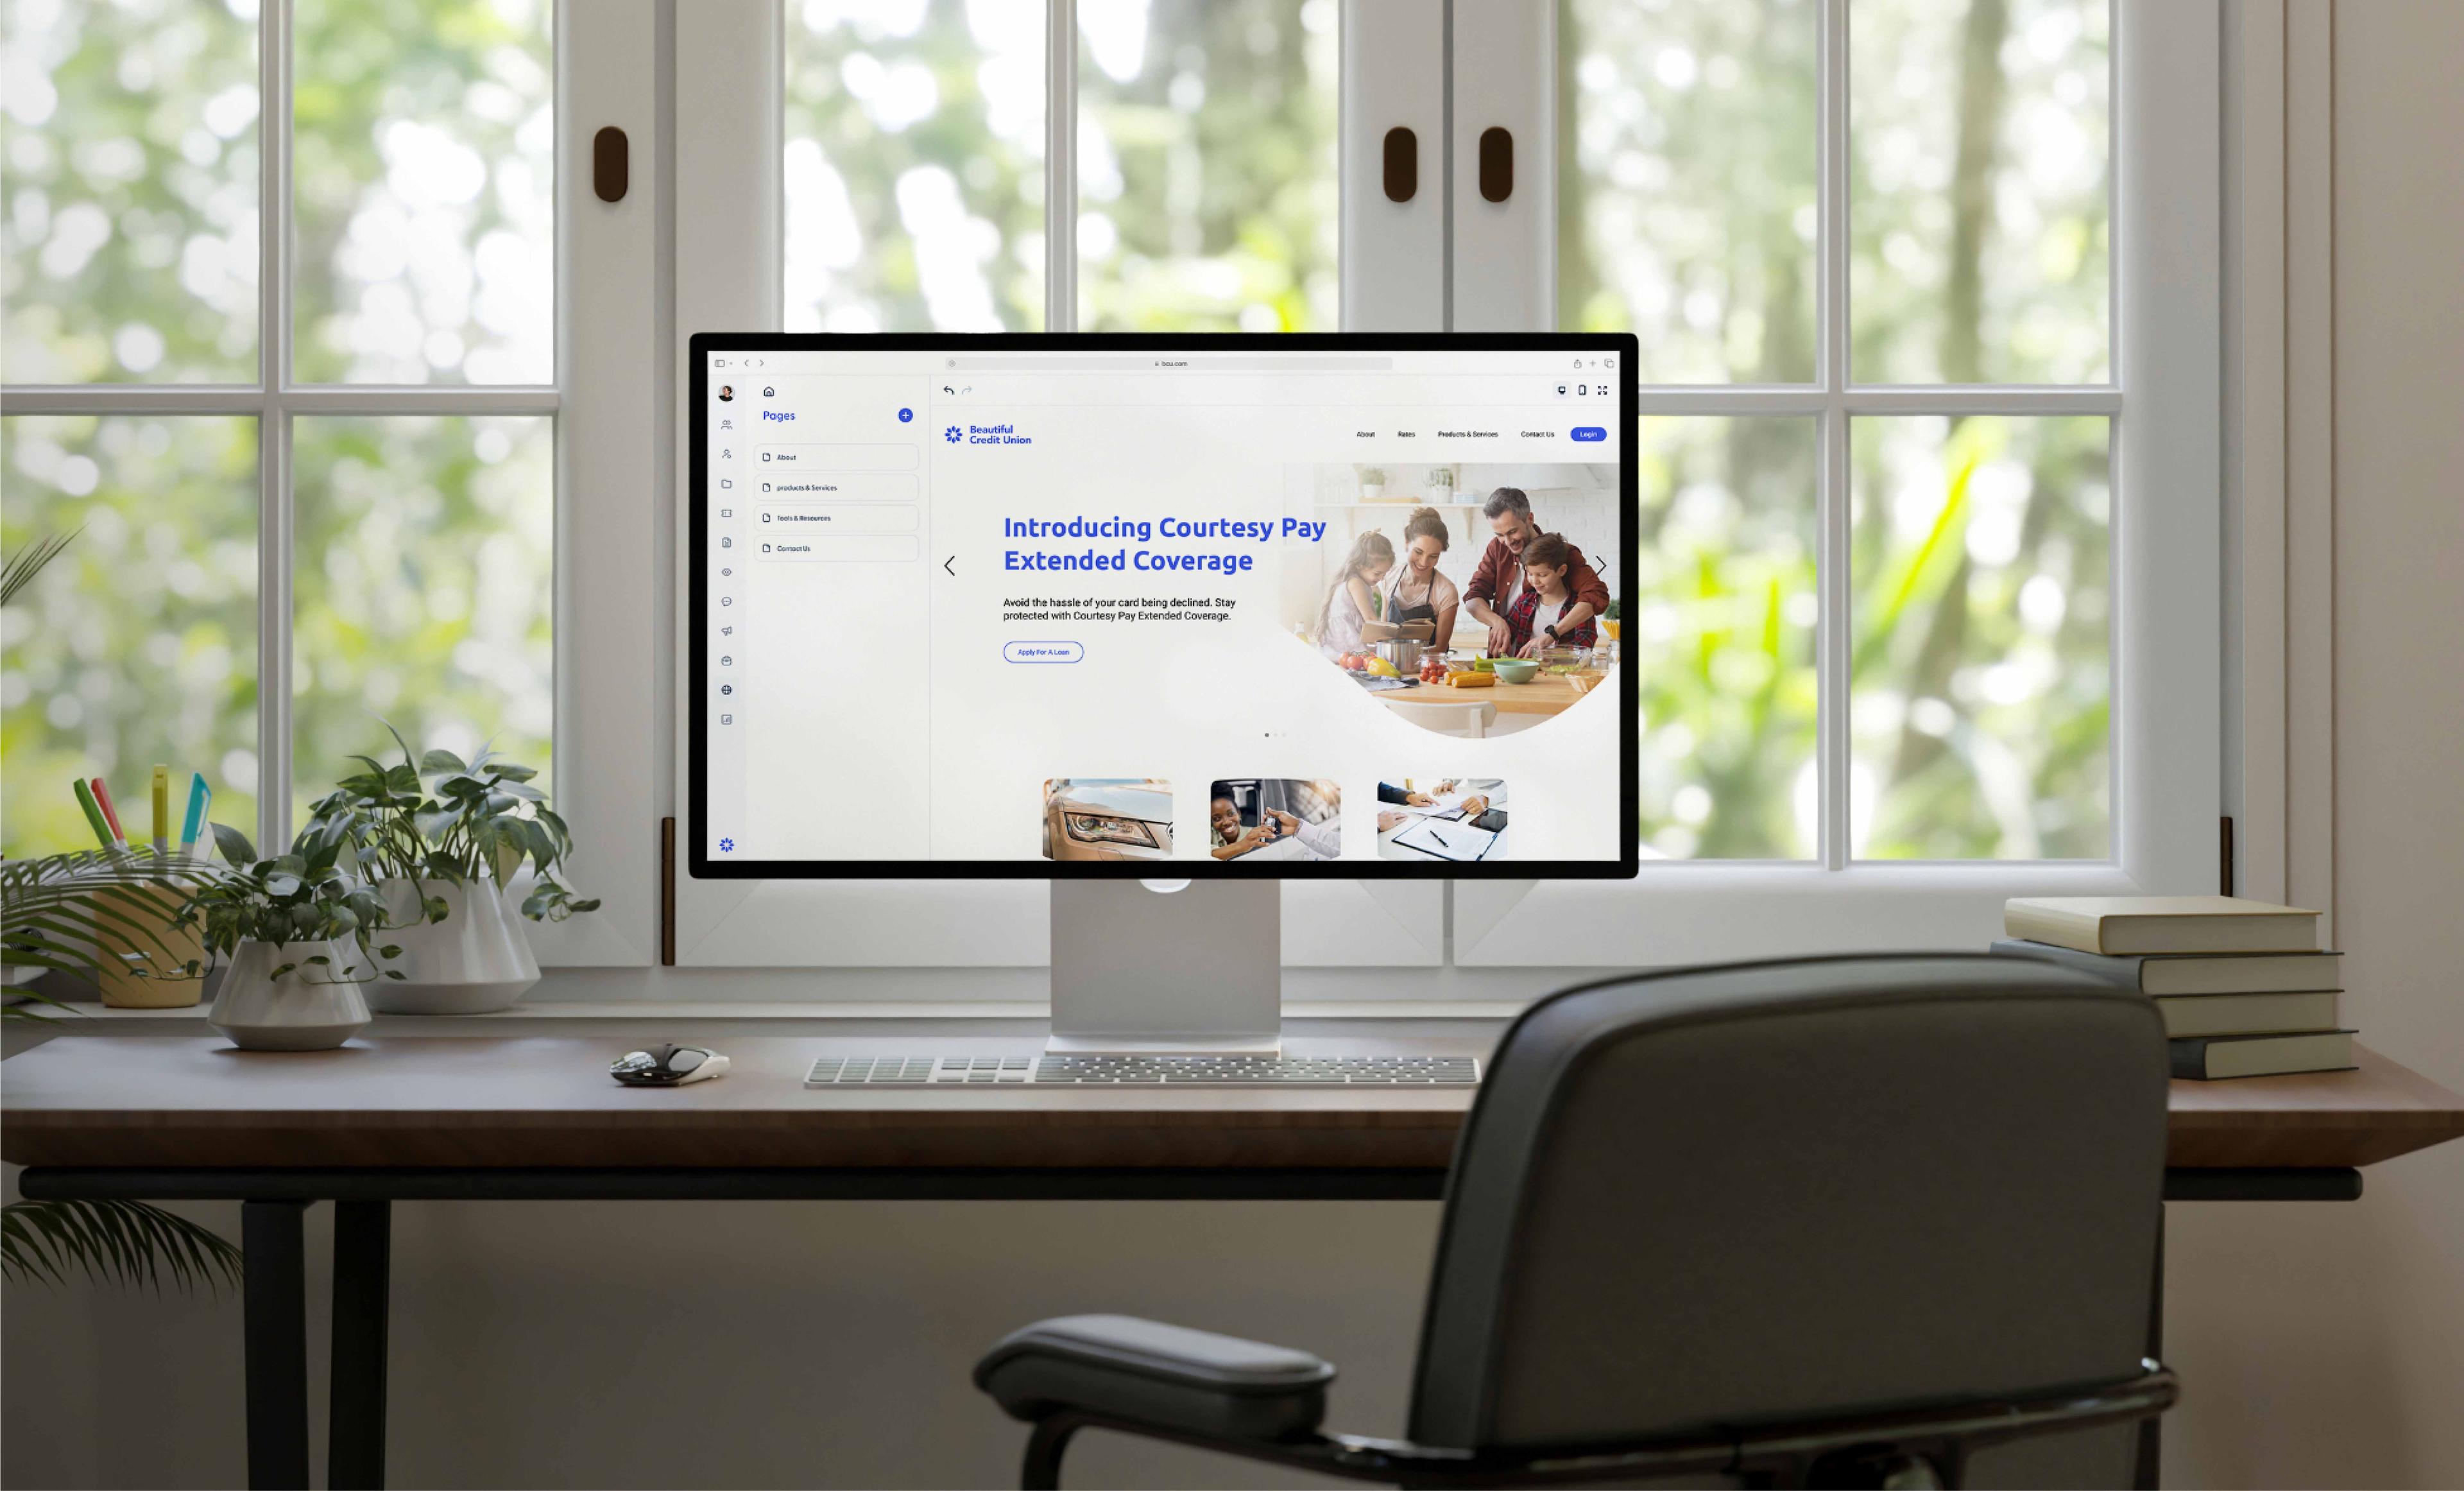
(1088, 829)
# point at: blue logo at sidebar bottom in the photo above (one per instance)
(1590, 432)
(727, 846)
(950, 435)
(906, 417)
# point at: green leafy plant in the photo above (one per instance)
(122, 1242)
(310, 894)
(439, 817)
(29, 562)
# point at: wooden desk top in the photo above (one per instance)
(438, 1101)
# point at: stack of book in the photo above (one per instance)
(2244, 985)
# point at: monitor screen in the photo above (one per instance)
(1341, 605)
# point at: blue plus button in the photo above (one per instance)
(906, 415)
(1588, 432)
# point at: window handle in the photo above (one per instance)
(1496, 163)
(611, 169)
(1402, 164)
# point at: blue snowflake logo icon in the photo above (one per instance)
(727, 846)
(950, 435)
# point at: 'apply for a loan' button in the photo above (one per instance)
(1042, 652)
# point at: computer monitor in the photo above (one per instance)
(1113, 608)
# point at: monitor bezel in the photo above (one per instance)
(701, 867)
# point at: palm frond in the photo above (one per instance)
(115, 1242)
(21, 570)
(56, 910)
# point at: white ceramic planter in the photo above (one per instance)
(304, 1009)
(475, 960)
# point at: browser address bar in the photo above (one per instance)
(1165, 362)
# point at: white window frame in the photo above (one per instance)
(2164, 400)
(1403, 270)
(606, 74)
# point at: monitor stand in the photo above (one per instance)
(1171, 966)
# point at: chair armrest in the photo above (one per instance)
(1146, 1371)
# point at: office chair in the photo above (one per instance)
(1842, 1221)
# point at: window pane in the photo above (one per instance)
(422, 169)
(138, 644)
(1207, 196)
(424, 590)
(128, 229)
(914, 164)
(1722, 638)
(1980, 239)
(1983, 675)
(1686, 183)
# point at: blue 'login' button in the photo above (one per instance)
(1588, 433)
(1042, 652)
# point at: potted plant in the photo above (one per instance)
(295, 931)
(445, 839)
(1373, 484)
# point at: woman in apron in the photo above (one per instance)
(1416, 591)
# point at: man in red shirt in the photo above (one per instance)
(1499, 579)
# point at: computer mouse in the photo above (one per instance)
(667, 1066)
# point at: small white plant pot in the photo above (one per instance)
(311, 1007)
(475, 960)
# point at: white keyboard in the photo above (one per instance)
(1127, 1071)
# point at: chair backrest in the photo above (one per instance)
(1791, 1189)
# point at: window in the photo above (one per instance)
(1926, 297)
(1925, 288)
(915, 160)
(281, 336)
(1955, 155)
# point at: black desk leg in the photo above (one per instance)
(2151, 1433)
(356, 1428)
(275, 1259)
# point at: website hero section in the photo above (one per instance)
(1020, 607)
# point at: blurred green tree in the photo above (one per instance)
(1979, 557)
(423, 569)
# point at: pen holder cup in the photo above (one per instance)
(136, 935)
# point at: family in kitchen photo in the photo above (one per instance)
(1460, 598)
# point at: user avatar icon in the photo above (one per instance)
(726, 393)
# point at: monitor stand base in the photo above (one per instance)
(1167, 968)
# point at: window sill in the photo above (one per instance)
(714, 1019)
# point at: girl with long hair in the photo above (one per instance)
(1352, 599)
